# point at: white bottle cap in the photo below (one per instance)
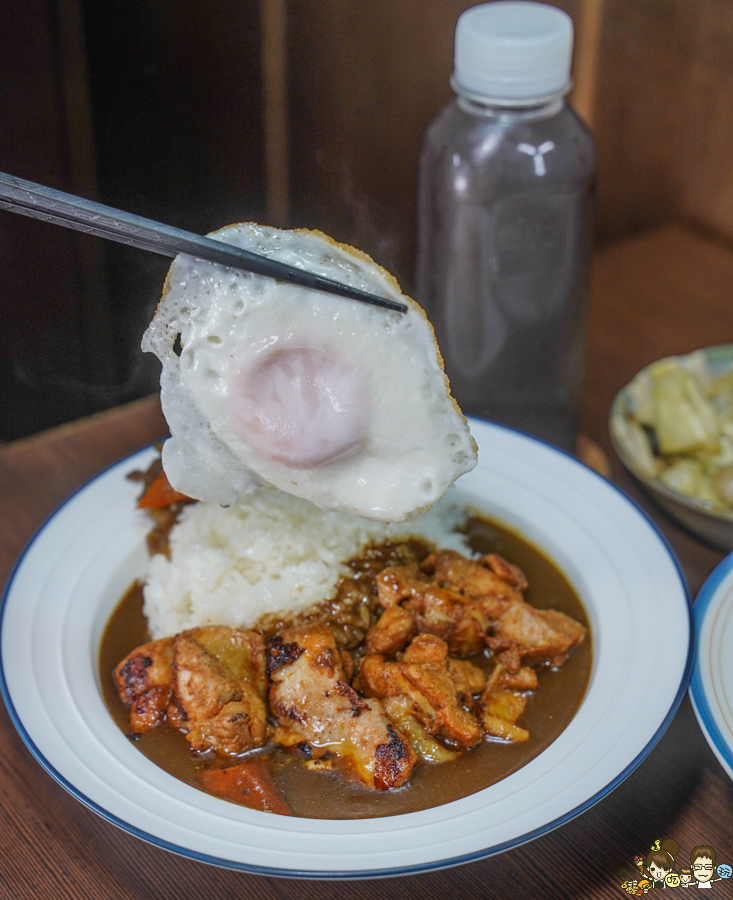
(513, 52)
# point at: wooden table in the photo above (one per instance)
(666, 292)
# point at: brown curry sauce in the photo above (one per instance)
(332, 794)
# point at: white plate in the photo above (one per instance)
(83, 559)
(711, 688)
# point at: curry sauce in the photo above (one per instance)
(318, 791)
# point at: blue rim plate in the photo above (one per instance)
(81, 561)
(711, 686)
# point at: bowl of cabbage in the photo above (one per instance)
(672, 427)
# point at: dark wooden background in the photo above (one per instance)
(295, 112)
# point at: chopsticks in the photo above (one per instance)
(39, 202)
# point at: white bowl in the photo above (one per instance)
(712, 525)
(80, 563)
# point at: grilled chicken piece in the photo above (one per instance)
(499, 714)
(450, 616)
(468, 678)
(427, 650)
(427, 685)
(524, 679)
(243, 652)
(394, 629)
(396, 583)
(347, 660)
(315, 706)
(540, 635)
(506, 653)
(502, 703)
(506, 571)
(495, 585)
(478, 579)
(144, 679)
(400, 711)
(216, 709)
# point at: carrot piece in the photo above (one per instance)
(249, 784)
(160, 494)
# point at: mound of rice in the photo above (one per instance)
(273, 553)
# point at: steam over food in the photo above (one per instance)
(329, 399)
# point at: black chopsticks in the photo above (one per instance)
(39, 202)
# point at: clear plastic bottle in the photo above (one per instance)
(505, 222)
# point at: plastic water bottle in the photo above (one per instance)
(507, 179)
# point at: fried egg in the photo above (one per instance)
(329, 399)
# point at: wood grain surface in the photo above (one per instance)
(665, 292)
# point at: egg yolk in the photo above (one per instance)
(301, 406)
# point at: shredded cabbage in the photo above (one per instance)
(677, 427)
(683, 419)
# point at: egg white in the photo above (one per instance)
(330, 399)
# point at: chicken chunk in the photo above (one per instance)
(520, 679)
(450, 616)
(243, 652)
(427, 650)
(396, 583)
(468, 678)
(524, 679)
(502, 704)
(541, 635)
(391, 632)
(216, 709)
(506, 571)
(399, 709)
(429, 688)
(478, 579)
(315, 706)
(496, 721)
(144, 680)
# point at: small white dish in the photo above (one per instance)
(711, 687)
(82, 560)
(698, 516)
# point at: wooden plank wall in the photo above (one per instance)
(664, 114)
(56, 346)
(151, 105)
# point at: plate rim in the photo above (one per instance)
(722, 748)
(368, 874)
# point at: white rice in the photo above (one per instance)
(273, 553)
